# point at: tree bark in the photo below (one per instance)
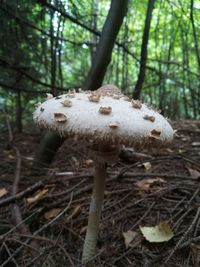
(18, 112)
(143, 55)
(103, 54)
(196, 44)
(47, 149)
(94, 37)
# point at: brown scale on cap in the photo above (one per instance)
(38, 104)
(71, 95)
(126, 98)
(149, 118)
(136, 103)
(109, 90)
(94, 97)
(105, 110)
(60, 117)
(114, 125)
(117, 96)
(67, 103)
(49, 96)
(155, 133)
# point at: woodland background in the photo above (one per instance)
(48, 46)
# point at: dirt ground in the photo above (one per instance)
(50, 207)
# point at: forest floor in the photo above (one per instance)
(157, 188)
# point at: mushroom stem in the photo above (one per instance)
(89, 248)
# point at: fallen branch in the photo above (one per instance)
(45, 226)
(16, 213)
(28, 191)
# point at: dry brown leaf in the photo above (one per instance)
(3, 192)
(150, 184)
(194, 173)
(159, 233)
(39, 195)
(129, 236)
(181, 151)
(88, 162)
(75, 212)
(147, 165)
(52, 213)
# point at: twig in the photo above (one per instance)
(144, 215)
(184, 235)
(31, 189)
(10, 133)
(161, 175)
(2, 237)
(36, 233)
(130, 205)
(16, 213)
(8, 251)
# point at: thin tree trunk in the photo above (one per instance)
(60, 73)
(143, 55)
(18, 112)
(103, 54)
(53, 55)
(94, 37)
(47, 149)
(196, 45)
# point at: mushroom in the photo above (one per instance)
(118, 124)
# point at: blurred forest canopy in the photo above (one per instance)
(48, 46)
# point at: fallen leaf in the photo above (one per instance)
(150, 184)
(169, 150)
(147, 165)
(184, 139)
(158, 233)
(129, 236)
(181, 151)
(39, 195)
(74, 213)
(194, 173)
(51, 213)
(3, 192)
(88, 162)
(10, 156)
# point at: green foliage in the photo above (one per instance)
(39, 44)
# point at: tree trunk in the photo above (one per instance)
(53, 55)
(18, 112)
(195, 36)
(94, 37)
(47, 149)
(103, 54)
(143, 55)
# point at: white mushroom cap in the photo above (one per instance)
(104, 118)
